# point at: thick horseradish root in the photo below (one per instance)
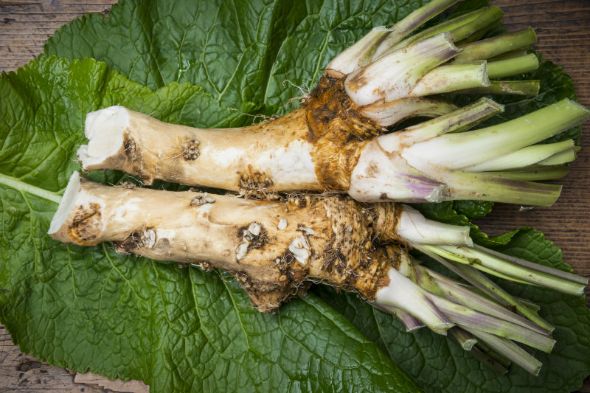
(275, 248)
(335, 142)
(328, 145)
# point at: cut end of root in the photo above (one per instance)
(78, 217)
(66, 205)
(104, 129)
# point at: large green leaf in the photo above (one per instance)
(178, 329)
(250, 57)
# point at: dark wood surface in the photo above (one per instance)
(563, 28)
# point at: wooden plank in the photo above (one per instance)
(564, 37)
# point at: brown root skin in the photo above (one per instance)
(272, 248)
(332, 114)
(337, 131)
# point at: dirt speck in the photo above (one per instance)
(190, 150)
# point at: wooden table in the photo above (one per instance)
(563, 27)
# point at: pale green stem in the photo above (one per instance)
(465, 149)
(532, 306)
(449, 78)
(466, 297)
(452, 256)
(533, 173)
(410, 323)
(466, 308)
(479, 34)
(509, 349)
(461, 119)
(21, 186)
(358, 54)
(388, 113)
(561, 158)
(470, 319)
(509, 67)
(493, 290)
(487, 187)
(524, 157)
(401, 293)
(511, 55)
(535, 266)
(466, 340)
(460, 27)
(521, 88)
(495, 263)
(501, 359)
(394, 75)
(495, 46)
(412, 22)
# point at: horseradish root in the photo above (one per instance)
(329, 145)
(335, 142)
(274, 248)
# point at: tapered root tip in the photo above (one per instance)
(104, 129)
(68, 201)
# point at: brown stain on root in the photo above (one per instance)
(134, 160)
(130, 148)
(254, 240)
(136, 240)
(357, 81)
(268, 296)
(385, 219)
(338, 132)
(85, 225)
(255, 184)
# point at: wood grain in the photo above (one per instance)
(563, 28)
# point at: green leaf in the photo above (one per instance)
(439, 365)
(255, 56)
(250, 57)
(178, 329)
